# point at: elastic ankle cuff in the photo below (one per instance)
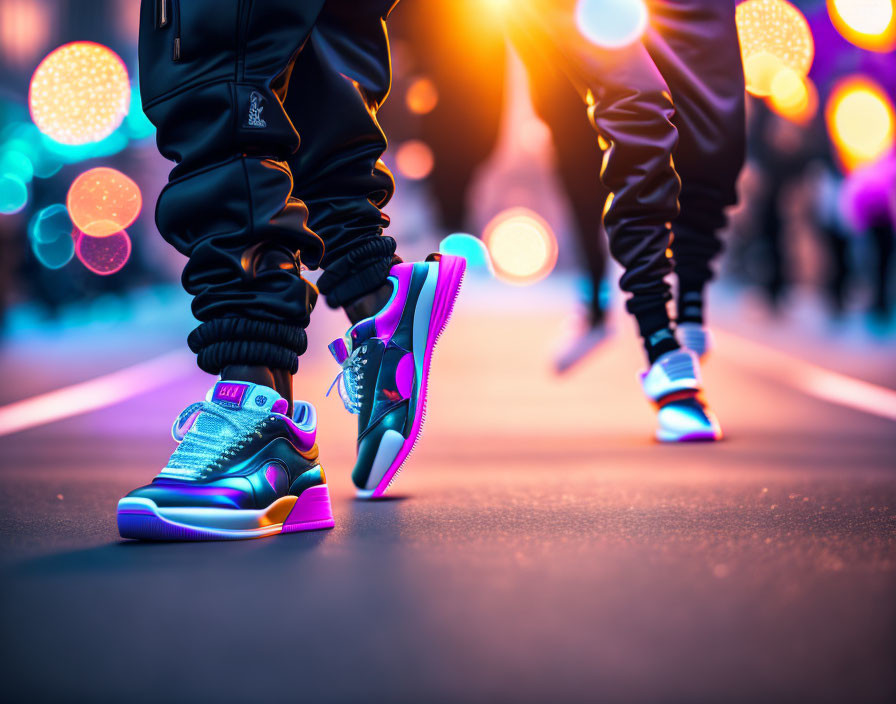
(361, 272)
(227, 341)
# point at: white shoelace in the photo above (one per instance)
(349, 381)
(216, 434)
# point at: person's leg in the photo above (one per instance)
(345, 75)
(695, 46)
(213, 78)
(213, 83)
(630, 107)
(399, 309)
(578, 168)
(882, 239)
(463, 126)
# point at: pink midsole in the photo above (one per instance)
(312, 510)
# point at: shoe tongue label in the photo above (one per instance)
(236, 394)
(229, 393)
(339, 350)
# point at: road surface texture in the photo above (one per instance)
(539, 548)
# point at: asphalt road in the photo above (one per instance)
(539, 548)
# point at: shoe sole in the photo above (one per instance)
(670, 437)
(448, 285)
(142, 519)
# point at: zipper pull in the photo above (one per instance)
(175, 52)
(161, 13)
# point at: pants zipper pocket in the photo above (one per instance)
(166, 17)
(175, 47)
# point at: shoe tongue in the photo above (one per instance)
(241, 394)
(342, 348)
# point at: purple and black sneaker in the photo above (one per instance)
(242, 469)
(385, 366)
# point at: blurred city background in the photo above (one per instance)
(811, 242)
(783, 534)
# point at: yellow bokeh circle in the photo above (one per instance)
(861, 121)
(522, 246)
(773, 34)
(79, 93)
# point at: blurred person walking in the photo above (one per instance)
(678, 93)
(669, 106)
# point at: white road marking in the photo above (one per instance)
(96, 393)
(810, 378)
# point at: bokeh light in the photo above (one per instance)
(15, 163)
(79, 93)
(773, 35)
(522, 246)
(103, 255)
(414, 159)
(422, 96)
(103, 201)
(860, 121)
(49, 224)
(25, 138)
(56, 253)
(137, 123)
(471, 248)
(793, 96)
(867, 196)
(13, 194)
(611, 23)
(869, 24)
(71, 153)
(25, 27)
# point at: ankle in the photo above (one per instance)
(690, 305)
(659, 342)
(369, 304)
(280, 380)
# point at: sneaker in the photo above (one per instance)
(577, 348)
(385, 366)
(695, 337)
(242, 469)
(673, 384)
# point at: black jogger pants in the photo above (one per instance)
(678, 94)
(232, 86)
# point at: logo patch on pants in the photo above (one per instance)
(256, 106)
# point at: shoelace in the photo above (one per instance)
(349, 381)
(216, 434)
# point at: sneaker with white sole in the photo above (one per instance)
(673, 385)
(242, 469)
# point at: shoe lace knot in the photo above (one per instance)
(350, 381)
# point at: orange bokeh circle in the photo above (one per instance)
(103, 201)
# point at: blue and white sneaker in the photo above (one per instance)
(695, 337)
(242, 469)
(673, 385)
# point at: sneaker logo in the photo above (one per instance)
(261, 400)
(256, 107)
(230, 394)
